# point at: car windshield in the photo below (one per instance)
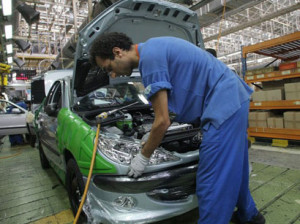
(113, 95)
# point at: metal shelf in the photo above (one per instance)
(271, 105)
(285, 48)
(293, 134)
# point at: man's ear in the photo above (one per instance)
(117, 52)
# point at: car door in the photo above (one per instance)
(12, 119)
(47, 120)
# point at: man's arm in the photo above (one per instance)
(160, 125)
(161, 122)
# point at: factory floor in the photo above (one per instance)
(29, 194)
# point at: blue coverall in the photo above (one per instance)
(203, 89)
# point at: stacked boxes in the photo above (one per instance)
(261, 71)
(266, 120)
(292, 119)
(269, 95)
(278, 92)
(275, 122)
(259, 96)
(292, 91)
(259, 119)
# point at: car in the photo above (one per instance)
(40, 86)
(12, 118)
(68, 119)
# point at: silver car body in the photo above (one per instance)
(14, 122)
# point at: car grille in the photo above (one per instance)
(173, 193)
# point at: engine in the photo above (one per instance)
(137, 125)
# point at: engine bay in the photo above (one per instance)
(136, 125)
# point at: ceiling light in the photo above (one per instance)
(8, 31)
(6, 7)
(9, 60)
(9, 48)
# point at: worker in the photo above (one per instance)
(190, 82)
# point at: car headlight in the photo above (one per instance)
(123, 151)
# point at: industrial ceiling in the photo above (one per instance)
(226, 26)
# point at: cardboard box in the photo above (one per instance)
(259, 119)
(249, 72)
(292, 87)
(297, 116)
(271, 122)
(269, 69)
(275, 122)
(252, 124)
(262, 124)
(274, 95)
(291, 124)
(292, 116)
(252, 116)
(263, 116)
(279, 122)
(289, 116)
(285, 66)
(259, 96)
(292, 96)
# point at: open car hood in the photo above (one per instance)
(140, 20)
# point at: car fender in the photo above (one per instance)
(78, 137)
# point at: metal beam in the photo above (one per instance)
(200, 4)
(35, 56)
(75, 15)
(254, 22)
(45, 2)
(232, 12)
(271, 43)
(90, 8)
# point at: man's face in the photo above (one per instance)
(118, 66)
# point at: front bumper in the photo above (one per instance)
(156, 196)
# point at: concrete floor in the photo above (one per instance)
(29, 194)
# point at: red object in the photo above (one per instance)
(285, 66)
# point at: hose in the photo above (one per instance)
(16, 154)
(101, 116)
(89, 176)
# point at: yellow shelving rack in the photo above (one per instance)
(286, 48)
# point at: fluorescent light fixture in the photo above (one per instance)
(9, 48)
(9, 60)
(8, 31)
(6, 7)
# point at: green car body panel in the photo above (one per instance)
(75, 135)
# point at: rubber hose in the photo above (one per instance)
(89, 176)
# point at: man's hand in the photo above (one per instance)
(138, 165)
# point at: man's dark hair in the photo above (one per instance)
(103, 45)
(212, 51)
